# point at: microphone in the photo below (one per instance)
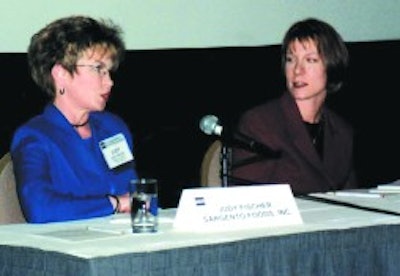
(209, 124)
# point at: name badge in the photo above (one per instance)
(234, 208)
(115, 150)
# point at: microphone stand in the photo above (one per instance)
(225, 165)
(245, 142)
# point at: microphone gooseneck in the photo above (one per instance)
(209, 124)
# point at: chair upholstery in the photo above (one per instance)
(210, 175)
(10, 210)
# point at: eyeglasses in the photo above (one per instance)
(100, 69)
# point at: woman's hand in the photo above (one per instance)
(124, 203)
(121, 203)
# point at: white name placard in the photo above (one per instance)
(239, 207)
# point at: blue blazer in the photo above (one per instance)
(61, 176)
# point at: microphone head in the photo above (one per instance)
(209, 124)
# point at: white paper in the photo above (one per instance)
(239, 207)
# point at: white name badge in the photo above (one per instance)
(239, 207)
(115, 150)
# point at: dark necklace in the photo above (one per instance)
(81, 125)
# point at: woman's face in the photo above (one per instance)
(90, 86)
(305, 70)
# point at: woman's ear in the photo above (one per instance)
(59, 73)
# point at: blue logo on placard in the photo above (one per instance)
(200, 201)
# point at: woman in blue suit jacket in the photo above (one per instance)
(74, 161)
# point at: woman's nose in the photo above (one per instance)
(298, 68)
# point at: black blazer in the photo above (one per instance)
(278, 125)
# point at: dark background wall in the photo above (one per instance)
(163, 94)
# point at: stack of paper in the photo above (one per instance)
(392, 187)
(357, 193)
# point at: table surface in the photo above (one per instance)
(112, 235)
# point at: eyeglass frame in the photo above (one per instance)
(100, 68)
